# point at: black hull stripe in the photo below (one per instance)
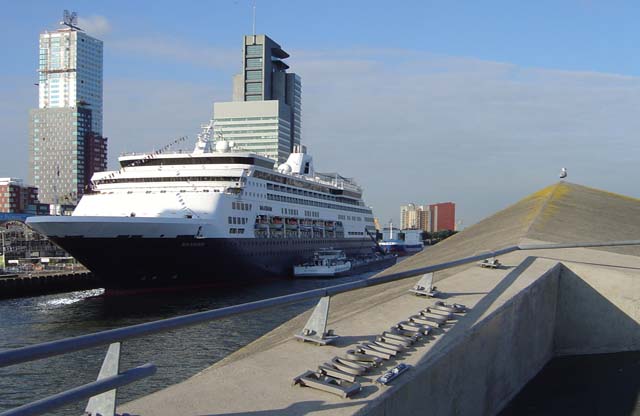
(162, 262)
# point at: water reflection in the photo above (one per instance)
(178, 354)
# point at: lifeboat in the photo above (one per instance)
(276, 223)
(262, 222)
(306, 225)
(292, 224)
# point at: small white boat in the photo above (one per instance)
(326, 263)
(333, 263)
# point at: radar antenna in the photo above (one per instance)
(203, 144)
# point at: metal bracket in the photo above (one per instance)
(105, 404)
(425, 287)
(316, 328)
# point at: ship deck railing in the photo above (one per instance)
(105, 385)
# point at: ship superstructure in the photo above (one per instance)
(215, 215)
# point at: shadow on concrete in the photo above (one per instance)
(587, 322)
(596, 384)
(299, 408)
(473, 315)
(352, 340)
(586, 384)
(613, 266)
(446, 295)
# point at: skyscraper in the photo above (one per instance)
(265, 115)
(65, 143)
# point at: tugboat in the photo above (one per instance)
(334, 263)
(326, 263)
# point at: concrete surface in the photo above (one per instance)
(543, 303)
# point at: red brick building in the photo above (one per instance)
(17, 198)
(443, 216)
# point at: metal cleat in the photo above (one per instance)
(453, 308)
(328, 384)
(393, 373)
(427, 320)
(363, 358)
(394, 347)
(369, 350)
(331, 371)
(396, 330)
(491, 263)
(414, 327)
(348, 366)
(439, 313)
(388, 339)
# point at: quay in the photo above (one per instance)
(20, 285)
(542, 303)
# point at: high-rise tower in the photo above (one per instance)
(266, 112)
(66, 144)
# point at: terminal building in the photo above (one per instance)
(265, 114)
(65, 142)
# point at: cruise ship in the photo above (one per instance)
(216, 216)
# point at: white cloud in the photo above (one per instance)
(94, 25)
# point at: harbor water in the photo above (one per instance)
(178, 354)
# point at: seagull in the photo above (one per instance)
(563, 173)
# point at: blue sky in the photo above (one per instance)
(448, 99)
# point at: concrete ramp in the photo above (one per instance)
(541, 304)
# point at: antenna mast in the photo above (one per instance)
(70, 19)
(254, 17)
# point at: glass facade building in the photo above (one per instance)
(270, 129)
(65, 132)
(70, 72)
(64, 153)
(257, 126)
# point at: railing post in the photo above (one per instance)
(105, 404)
(316, 328)
(425, 287)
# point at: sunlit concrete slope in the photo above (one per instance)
(540, 304)
(578, 213)
(563, 212)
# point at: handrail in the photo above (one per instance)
(63, 346)
(83, 392)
